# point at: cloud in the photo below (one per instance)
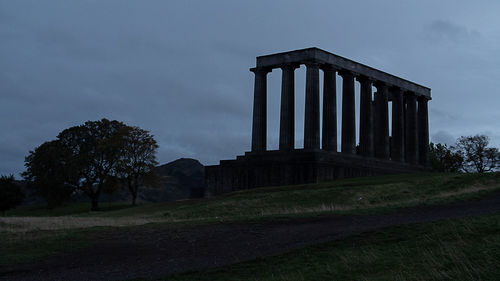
(443, 115)
(443, 137)
(447, 31)
(180, 68)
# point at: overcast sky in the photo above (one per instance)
(180, 68)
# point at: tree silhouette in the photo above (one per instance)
(478, 157)
(91, 158)
(11, 194)
(47, 169)
(137, 160)
(444, 158)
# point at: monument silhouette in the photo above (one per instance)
(405, 151)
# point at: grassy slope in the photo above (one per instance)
(462, 249)
(359, 195)
(362, 195)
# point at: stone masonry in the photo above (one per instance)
(405, 150)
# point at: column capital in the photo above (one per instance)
(261, 70)
(423, 98)
(329, 67)
(289, 66)
(312, 64)
(346, 72)
(363, 78)
(379, 84)
(395, 89)
(409, 94)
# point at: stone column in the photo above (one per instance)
(423, 131)
(366, 118)
(259, 124)
(287, 114)
(411, 144)
(397, 149)
(348, 144)
(311, 120)
(381, 133)
(329, 137)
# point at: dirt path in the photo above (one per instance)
(153, 253)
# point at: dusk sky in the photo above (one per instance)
(180, 69)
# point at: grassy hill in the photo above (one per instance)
(349, 196)
(443, 244)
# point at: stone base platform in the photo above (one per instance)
(275, 168)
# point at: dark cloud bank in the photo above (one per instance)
(180, 68)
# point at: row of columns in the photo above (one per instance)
(410, 129)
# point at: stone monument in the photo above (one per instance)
(403, 150)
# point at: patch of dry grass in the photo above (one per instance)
(467, 190)
(364, 202)
(27, 224)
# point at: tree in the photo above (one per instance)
(11, 194)
(93, 151)
(47, 170)
(478, 157)
(92, 158)
(444, 158)
(138, 159)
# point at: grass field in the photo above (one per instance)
(360, 195)
(23, 228)
(349, 196)
(34, 245)
(462, 249)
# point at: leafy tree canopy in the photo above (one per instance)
(469, 154)
(478, 157)
(47, 169)
(138, 159)
(92, 158)
(444, 158)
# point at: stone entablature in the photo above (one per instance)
(322, 57)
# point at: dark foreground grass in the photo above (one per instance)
(461, 249)
(17, 248)
(350, 196)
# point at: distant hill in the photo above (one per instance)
(180, 179)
